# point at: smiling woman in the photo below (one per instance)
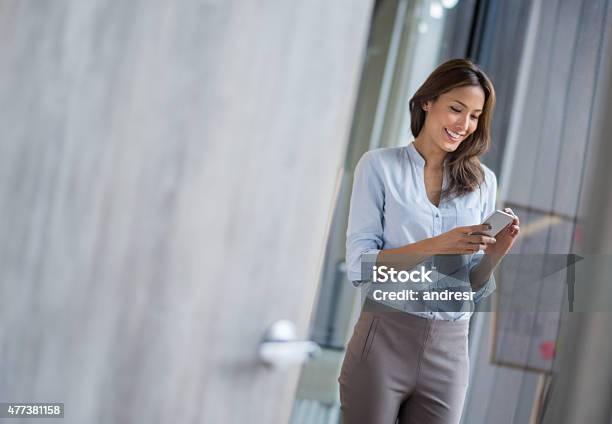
(418, 203)
(459, 99)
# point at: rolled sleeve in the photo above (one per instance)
(489, 202)
(489, 287)
(364, 235)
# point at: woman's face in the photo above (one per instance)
(453, 116)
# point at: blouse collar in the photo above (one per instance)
(416, 156)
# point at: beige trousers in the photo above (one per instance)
(404, 368)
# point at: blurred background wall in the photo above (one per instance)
(167, 172)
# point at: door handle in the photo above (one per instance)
(280, 347)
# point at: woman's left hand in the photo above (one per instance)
(506, 237)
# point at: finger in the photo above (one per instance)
(480, 239)
(511, 228)
(477, 248)
(511, 212)
(469, 248)
(479, 228)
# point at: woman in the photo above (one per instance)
(410, 204)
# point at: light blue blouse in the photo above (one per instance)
(389, 209)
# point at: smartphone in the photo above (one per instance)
(498, 220)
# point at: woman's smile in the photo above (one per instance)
(453, 136)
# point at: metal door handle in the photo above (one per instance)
(280, 348)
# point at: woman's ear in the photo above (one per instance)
(426, 106)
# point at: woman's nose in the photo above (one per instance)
(463, 123)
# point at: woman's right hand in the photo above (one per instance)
(462, 240)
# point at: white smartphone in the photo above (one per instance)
(498, 220)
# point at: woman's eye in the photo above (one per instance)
(475, 118)
(454, 109)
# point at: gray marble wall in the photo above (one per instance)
(167, 172)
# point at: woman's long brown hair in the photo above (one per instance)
(465, 172)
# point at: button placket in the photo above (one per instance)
(437, 231)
